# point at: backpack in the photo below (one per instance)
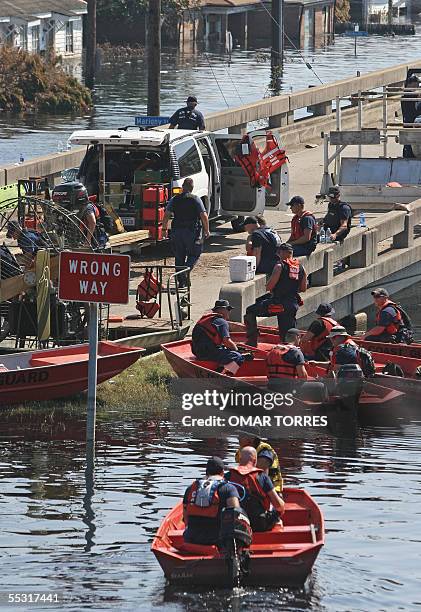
(205, 492)
(367, 363)
(105, 218)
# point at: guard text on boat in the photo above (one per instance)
(94, 277)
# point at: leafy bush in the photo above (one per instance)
(342, 10)
(30, 82)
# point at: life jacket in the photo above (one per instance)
(259, 165)
(205, 324)
(289, 280)
(347, 342)
(311, 346)
(247, 478)
(274, 470)
(203, 498)
(277, 367)
(397, 323)
(296, 229)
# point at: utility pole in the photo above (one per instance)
(153, 56)
(277, 32)
(90, 57)
(389, 14)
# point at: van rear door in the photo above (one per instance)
(237, 197)
(277, 193)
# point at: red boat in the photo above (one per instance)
(254, 374)
(283, 556)
(60, 372)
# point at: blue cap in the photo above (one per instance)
(266, 454)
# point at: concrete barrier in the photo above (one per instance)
(45, 166)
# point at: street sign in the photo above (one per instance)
(144, 121)
(355, 33)
(94, 277)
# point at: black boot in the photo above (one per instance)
(251, 329)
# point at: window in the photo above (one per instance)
(69, 37)
(188, 158)
(35, 39)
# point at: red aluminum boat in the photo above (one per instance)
(254, 374)
(60, 372)
(283, 556)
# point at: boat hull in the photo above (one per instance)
(152, 341)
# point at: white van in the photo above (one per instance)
(127, 156)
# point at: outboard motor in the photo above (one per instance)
(70, 196)
(349, 383)
(235, 537)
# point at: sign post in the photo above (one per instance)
(94, 278)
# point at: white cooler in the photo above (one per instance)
(242, 268)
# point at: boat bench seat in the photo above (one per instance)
(3, 368)
(39, 361)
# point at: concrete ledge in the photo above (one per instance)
(47, 165)
(388, 224)
(406, 238)
(2, 177)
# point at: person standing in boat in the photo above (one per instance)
(287, 281)
(267, 459)
(260, 492)
(392, 322)
(315, 342)
(204, 501)
(211, 339)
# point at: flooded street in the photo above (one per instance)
(94, 550)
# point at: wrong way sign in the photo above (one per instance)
(94, 277)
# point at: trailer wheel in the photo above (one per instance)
(237, 223)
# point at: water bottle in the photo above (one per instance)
(21, 158)
(322, 236)
(328, 235)
(362, 219)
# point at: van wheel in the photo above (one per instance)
(237, 224)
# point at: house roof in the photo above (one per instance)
(229, 3)
(38, 8)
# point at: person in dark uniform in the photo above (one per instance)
(29, 241)
(189, 219)
(288, 279)
(303, 236)
(410, 108)
(315, 342)
(188, 118)
(339, 216)
(211, 339)
(263, 242)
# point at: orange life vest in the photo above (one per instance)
(393, 327)
(276, 365)
(247, 478)
(296, 229)
(336, 348)
(310, 346)
(273, 156)
(293, 268)
(205, 323)
(209, 511)
(260, 165)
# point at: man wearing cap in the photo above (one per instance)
(260, 492)
(392, 322)
(410, 108)
(339, 216)
(303, 236)
(288, 279)
(28, 240)
(263, 242)
(204, 501)
(211, 339)
(315, 343)
(267, 459)
(189, 228)
(286, 361)
(188, 118)
(346, 352)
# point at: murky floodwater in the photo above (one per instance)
(120, 93)
(93, 550)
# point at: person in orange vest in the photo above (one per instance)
(286, 361)
(211, 339)
(315, 342)
(204, 501)
(303, 236)
(287, 281)
(392, 322)
(260, 492)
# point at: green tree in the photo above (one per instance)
(342, 11)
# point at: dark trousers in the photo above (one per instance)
(302, 249)
(186, 249)
(265, 307)
(220, 354)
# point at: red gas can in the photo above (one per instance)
(155, 195)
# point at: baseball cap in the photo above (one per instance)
(192, 99)
(215, 465)
(266, 454)
(12, 227)
(285, 246)
(296, 200)
(223, 304)
(333, 191)
(338, 330)
(294, 331)
(324, 309)
(251, 221)
(380, 292)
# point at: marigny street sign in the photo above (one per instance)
(94, 277)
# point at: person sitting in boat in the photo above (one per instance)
(204, 501)
(211, 340)
(315, 342)
(260, 491)
(286, 361)
(392, 322)
(267, 459)
(346, 352)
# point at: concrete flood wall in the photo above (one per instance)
(277, 111)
